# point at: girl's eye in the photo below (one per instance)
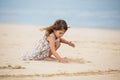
(60, 33)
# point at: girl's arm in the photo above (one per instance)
(67, 42)
(52, 48)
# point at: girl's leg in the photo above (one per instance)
(56, 47)
(49, 58)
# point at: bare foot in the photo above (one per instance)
(49, 59)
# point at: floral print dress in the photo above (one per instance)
(40, 51)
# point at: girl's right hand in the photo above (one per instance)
(64, 60)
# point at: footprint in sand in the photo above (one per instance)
(12, 67)
(80, 61)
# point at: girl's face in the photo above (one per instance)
(59, 33)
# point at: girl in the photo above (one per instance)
(50, 42)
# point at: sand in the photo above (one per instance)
(95, 57)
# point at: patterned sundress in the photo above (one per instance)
(41, 50)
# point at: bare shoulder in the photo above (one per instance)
(50, 38)
(51, 41)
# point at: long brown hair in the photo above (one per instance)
(58, 25)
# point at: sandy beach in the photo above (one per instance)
(95, 57)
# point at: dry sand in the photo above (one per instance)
(95, 57)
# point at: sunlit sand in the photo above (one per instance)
(95, 57)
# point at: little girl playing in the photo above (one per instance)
(49, 43)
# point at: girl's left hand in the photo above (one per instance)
(71, 44)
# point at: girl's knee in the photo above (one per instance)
(57, 45)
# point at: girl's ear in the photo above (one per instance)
(54, 30)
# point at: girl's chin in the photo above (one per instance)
(58, 37)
